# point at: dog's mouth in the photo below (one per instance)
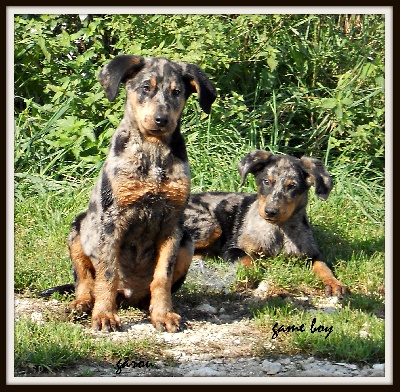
(157, 132)
(271, 220)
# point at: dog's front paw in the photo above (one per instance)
(106, 321)
(165, 321)
(81, 306)
(335, 288)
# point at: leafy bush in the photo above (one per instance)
(298, 84)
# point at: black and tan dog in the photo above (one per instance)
(130, 242)
(242, 226)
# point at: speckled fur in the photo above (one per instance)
(246, 226)
(130, 242)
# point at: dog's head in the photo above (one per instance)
(157, 90)
(283, 182)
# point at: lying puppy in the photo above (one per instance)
(244, 226)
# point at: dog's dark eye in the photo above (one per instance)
(291, 186)
(266, 182)
(176, 92)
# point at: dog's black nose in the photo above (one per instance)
(271, 212)
(161, 119)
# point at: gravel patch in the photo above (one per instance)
(218, 339)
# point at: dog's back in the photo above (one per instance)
(213, 219)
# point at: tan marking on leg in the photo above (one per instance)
(161, 310)
(246, 261)
(333, 286)
(250, 244)
(183, 260)
(209, 241)
(85, 278)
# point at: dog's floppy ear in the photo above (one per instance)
(198, 82)
(117, 71)
(252, 163)
(318, 176)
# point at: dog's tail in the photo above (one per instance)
(63, 289)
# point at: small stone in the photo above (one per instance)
(285, 361)
(37, 318)
(329, 310)
(379, 366)
(271, 367)
(310, 360)
(262, 290)
(203, 372)
(206, 308)
(351, 366)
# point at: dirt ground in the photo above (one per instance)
(219, 338)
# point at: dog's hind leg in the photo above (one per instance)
(84, 277)
(183, 261)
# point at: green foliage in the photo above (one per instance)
(299, 84)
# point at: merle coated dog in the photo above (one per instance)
(130, 243)
(242, 226)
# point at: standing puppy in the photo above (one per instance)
(131, 241)
(244, 226)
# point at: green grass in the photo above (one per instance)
(41, 226)
(56, 344)
(351, 240)
(345, 335)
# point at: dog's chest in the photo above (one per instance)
(269, 240)
(150, 176)
(258, 236)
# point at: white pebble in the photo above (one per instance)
(379, 366)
